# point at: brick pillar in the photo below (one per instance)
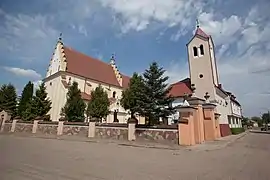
(4, 116)
(209, 121)
(13, 126)
(35, 125)
(218, 134)
(186, 128)
(92, 128)
(200, 124)
(60, 128)
(132, 129)
(198, 118)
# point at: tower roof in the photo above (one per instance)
(201, 33)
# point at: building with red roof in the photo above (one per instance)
(68, 65)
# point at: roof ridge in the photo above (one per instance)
(181, 81)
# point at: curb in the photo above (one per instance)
(260, 132)
(120, 143)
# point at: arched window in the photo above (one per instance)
(69, 81)
(201, 49)
(195, 51)
(114, 94)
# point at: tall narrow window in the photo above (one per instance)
(195, 51)
(114, 94)
(69, 81)
(58, 67)
(229, 119)
(201, 49)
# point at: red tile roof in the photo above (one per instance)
(86, 96)
(180, 88)
(125, 81)
(83, 65)
(201, 33)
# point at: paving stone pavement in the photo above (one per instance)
(245, 158)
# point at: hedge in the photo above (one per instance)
(237, 130)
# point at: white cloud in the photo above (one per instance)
(177, 71)
(224, 30)
(139, 14)
(29, 73)
(83, 30)
(26, 37)
(36, 85)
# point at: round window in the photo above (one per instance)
(201, 76)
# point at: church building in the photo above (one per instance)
(68, 65)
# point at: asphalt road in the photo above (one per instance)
(24, 158)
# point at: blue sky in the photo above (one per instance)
(139, 32)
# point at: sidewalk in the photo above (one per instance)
(219, 143)
(206, 146)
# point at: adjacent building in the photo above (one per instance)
(204, 78)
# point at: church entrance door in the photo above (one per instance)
(115, 116)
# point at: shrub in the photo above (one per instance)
(237, 130)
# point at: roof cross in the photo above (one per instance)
(197, 23)
(60, 37)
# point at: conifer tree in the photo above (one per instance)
(8, 98)
(39, 105)
(155, 101)
(131, 97)
(41, 102)
(98, 106)
(26, 97)
(75, 107)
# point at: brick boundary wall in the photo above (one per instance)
(112, 131)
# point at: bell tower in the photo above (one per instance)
(202, 63)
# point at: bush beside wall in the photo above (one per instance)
(237, 130)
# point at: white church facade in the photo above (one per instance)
(68, 65)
